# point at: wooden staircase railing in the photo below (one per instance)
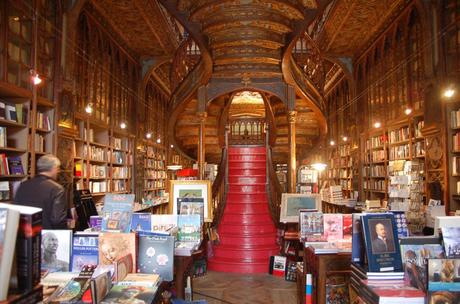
(187, 56)
(247, 131)
(220, 186)
(274, 189)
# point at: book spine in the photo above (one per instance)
(308, 289)
(35, 296)
(28, 253)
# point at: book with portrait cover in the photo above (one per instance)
(451, 241)
(381, 242)
(113, 246)
(415, 252)
(56, 250)
(85, 250)
(141, 222)
(333, 226)
(156, 255)
(9, 221)
(117, 212)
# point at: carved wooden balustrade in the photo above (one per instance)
(186, 58)
(247, 131)
(308, 58)
(274, 189)
(220, 186)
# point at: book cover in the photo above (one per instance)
(95, 222)
(443, 297)
(85, 251)
(357, 246)
(117, 212)
(347, 225)
(113, 246)
(28, 244)
(163, 222)
(311, 225)
(337, 290)
(56, 250)
(141, 222)
(58, 278)
(443, 275)
(147, 279)
(15, 165)
(9, 221)
(129, 294)
(415, 255)
(189, 228)
(122, 267)
(191, 205)
(11, 113)
(2, 110)
(381, 242)
(72, 292)
(401, 223)
(278, 265)
(100, 286)
(333, 226)
(451, 241)
(156, 256)
(397, 293)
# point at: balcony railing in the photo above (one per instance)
(186, 58)
(247, 131)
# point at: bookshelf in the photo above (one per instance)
(374, 169)
(453, 142)
(155, 174)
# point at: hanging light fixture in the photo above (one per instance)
(123, 125)
(345, 138)
(448, 92)
(158, 140)
(377, 124)
(148, 135)
(332, 143)
(172, 146)
(36, 80)
(89, 108)
(408, 111)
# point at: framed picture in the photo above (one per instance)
(292, 203)
(191, 189)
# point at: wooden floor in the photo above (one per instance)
(229, 288)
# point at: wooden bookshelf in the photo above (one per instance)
(453, 142)
(374, 165)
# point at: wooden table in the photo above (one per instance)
(320, 266)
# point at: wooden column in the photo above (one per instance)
(201, 145)
(292, 115)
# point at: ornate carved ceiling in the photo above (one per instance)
(351, 24)
(142, 24)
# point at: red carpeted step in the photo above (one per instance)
(257, 208)
(245, 179)
(247, 233)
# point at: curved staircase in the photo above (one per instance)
(247, 233)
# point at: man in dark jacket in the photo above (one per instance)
(43, 192)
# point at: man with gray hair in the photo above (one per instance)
(44, 192)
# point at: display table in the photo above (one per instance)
(320, 266)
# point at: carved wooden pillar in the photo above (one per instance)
(201, 145)
(292, 115)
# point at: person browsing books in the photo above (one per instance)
(382, 243)
(44, 192)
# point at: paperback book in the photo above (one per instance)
(122, 267)
(191, 205)
(451, 240)
(333, 226)
(357, 247)
(381, 241)
(56, 250)
(85, 250)
(443, 275)
(141, 222)
(130, 293)
(189, 228)
(156, 255)
(113, 246)
(311, 226)
(401, 223)
(278, 265)
(163, 223)
(117, 212)
(100, 286)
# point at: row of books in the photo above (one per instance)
(43, 121)
(119, 185)
(120, 172)
(399, 135)
(418, 149)
(155, 174)
(8, 189)
(14, 112)
(96, 171)
(120, 144)
(374, 171)
(95, 153)
(399, 152)
(344, 150)
(10, 165)
(375, 142)
(119, 157)
(378, 156)
(374, 185)
(3, 137)
(455, 119)
(39, 143)
(154, 164)
(418, 129)
(98, 186)
(149, 184)
(456, 142)
(325, 227)
(154, 153)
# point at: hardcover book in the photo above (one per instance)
(451, 240)
(381, 241)
(191, 205)
(347, 226)
(129, 294)
(163, 223)
(123, 266)
(141, 222)
(189, 228)
(113, 246)
(9, 221)
(443, 275)
(278, 265)
(117, 212)
(100, 286)
(95, 222)
(357, 246)
(333, 226)
(156, 255)
(85, 250)
(401, 223)
(415, 252)
(142, 279)
(56, 250)
(15, 165)
(311, 226)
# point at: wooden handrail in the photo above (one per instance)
(273, 186)
(187, 56)
(220, 186)
(247, 131)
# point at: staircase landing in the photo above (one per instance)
(247, 233)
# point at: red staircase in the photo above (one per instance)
(247, 233)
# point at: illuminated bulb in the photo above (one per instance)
(332, 143)
(158, 140)
(16, 18)
(319, 166)
(172, 146)
(408, 111)
(345, 138)
(36, 79)
(123, 125)
(148, 135)
(377, 124)
(448, 93)
(89, 108)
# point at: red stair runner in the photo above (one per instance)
(247, 233)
